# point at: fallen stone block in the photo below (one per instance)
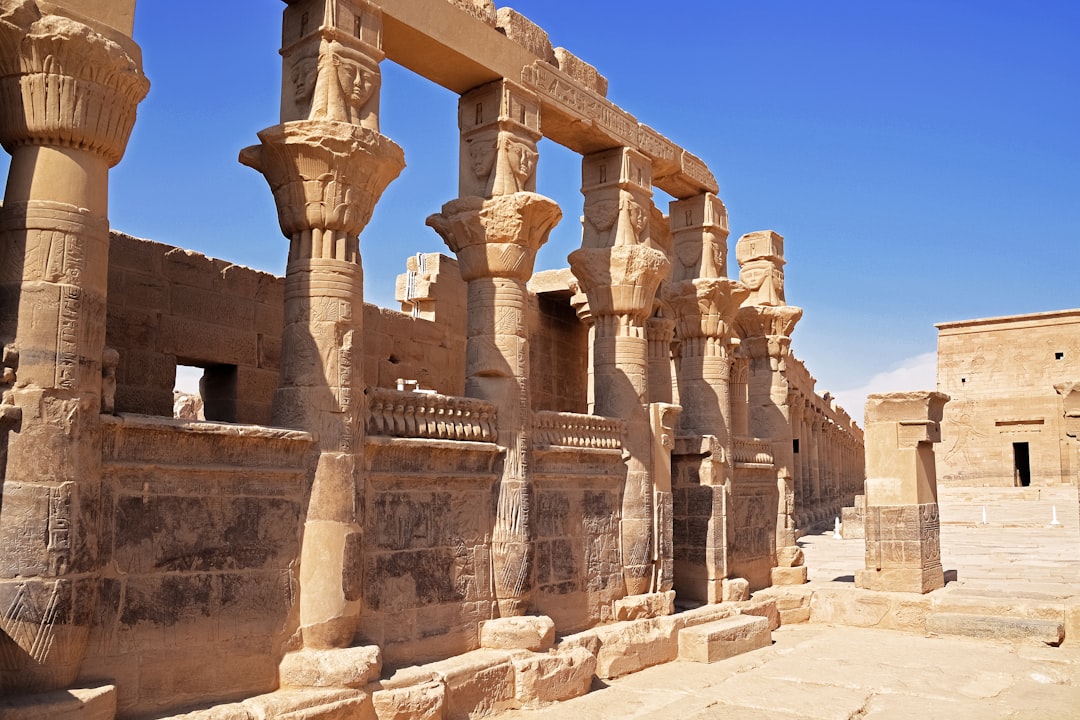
(543, 679)
(529, 632)
(649, 605)
(989, 627)
(724, 638)
(789, 575)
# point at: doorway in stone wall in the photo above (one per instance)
(1021, 464)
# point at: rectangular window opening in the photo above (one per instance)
(795, 445)
(204, 392)
(1059, 356)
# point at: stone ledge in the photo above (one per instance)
(996, 627)
(97, 703)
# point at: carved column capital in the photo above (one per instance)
(765, 331)
(704, 310)
(620, 281)
(325, 175)
(496, 237)
(63, 84)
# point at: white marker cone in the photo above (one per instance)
(836, 530)
(984, 521)
(1054, 521)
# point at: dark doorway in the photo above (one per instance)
(1021, 464)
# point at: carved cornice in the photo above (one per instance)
(325, 175)
(62, 84)
(496, 237)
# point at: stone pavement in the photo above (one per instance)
(818, 670)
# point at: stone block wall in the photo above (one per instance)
(578, 572)
(168, 306)
(558, 355)
(202, 535)
(426, 578)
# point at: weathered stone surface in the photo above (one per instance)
(477, 683)
(350, 667)
(1051, 632)
(529, 632)
(886, 610)
(765, 607)
(722, 639)
(736, 589)
(96, 703)
(423, 701)
(650, 605)
(543, 679)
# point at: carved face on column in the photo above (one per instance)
(520, 160)
(482, 150)
(766, 282)
(357, 86)
(303, 73)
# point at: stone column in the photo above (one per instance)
(903, 529)
(660, 332)
(704, 301)
(619, 271)
(495, 229)
(796, 403)
(765, 324)
(68, 95)
(327, 166)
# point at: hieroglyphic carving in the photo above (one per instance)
(560, 88)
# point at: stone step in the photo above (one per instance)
(725, 638)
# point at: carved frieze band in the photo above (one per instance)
(562, 429)
(397, 413)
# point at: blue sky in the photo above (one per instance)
(922, 159)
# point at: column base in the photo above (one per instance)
(97, 703)
(914, 580)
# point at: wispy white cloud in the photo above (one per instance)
(913, 373)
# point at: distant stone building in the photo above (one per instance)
(1003, 426)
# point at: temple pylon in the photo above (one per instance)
(495, 228)
(327, 165)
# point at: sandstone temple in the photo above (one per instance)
(389, 513)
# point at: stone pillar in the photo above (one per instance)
(903, 529)
(1070, 409)
(327, 166)
(619, 271)
(765, 324)
(796, 403)
(495, 229)
(69, 89)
